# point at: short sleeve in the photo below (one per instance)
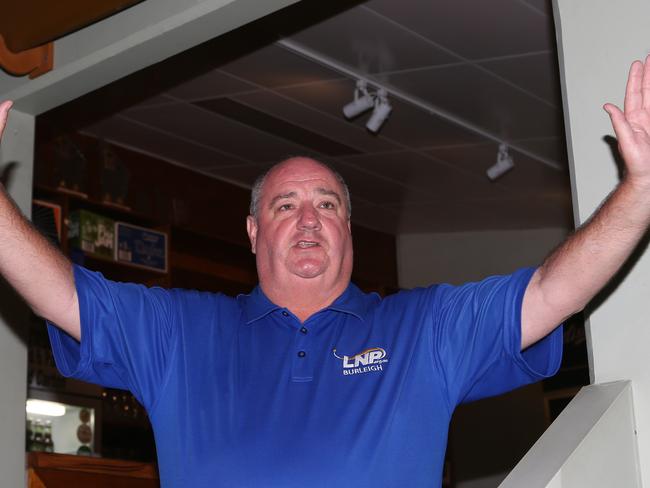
(126, 336)
(477, 339)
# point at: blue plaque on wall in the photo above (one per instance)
(141, 247)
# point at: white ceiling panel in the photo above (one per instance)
(407, 124)
(136, 136)
(541, 6)
(377, 190)
(413, 127)
(437, 180)
(273, 66)
(489, 64)
(473, 29)
(483, 100)
(335, 127)
(528, 177)
(206, 128)
(537, 73)
(370, 43)
(161, 99)
(553, 148)
(210, 85)
(328, 97)
(535, 179)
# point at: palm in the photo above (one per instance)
(4, 112)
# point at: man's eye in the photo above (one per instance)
(328, 205)
(285, 207)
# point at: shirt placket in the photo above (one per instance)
(302, 366)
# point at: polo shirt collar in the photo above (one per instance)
(256, 305)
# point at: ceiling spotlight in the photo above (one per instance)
(362, 101)
(504, 163)
(381, 112)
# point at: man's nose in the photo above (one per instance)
(308, 218)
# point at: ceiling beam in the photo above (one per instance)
(145, 34)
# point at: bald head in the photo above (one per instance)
(300, 233)
(258, 186)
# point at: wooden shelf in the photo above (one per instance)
(47, 470)
(197, 264)
(74, 202)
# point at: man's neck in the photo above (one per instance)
(304, 297)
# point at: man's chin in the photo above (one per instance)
(308, 270)
(308, 274)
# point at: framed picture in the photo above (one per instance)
(46, 217)
(141, 247)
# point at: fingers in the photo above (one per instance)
(633, 94)
(622, 128)
(645, 83)
(4, 113)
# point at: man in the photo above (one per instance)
(307, 381)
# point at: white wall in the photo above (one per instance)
(592, 444)
(459, 257)
(19, 149)
(597, 41)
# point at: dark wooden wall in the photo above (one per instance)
(204, 217)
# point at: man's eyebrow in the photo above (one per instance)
(282, 196)
(327, 191)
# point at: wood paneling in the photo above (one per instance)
(46, 470)
(30, 23)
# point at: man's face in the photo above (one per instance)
(302, 228)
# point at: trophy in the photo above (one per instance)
(71, 167)
(115, 178)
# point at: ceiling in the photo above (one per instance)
(489, 66)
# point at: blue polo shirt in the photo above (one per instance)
(241, 394)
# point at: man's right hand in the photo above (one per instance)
(4, 113)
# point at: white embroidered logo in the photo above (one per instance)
(366, 361)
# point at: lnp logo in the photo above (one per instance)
(371, 359)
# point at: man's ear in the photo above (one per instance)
(251, 228)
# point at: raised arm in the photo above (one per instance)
(34, 267)
(586, 261)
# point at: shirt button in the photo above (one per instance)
(285, 313)
(301, 354)
(303, 330)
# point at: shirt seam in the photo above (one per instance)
(172, 356)
(86, 350)
(435, 358)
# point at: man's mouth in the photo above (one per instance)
(306, 244)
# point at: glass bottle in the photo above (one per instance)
(48, 444)
(29, 435)
(37, 444)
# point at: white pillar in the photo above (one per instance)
(17, 148)
(597, 41)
